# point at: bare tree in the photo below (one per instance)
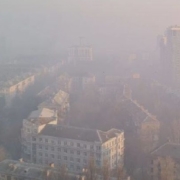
(106, 170)
(120, 173)
(91, 170)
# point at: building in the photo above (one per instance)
(16, 87)
(44, 142)
(58, 102)
(146, 124)
(80, 53)
(19, 170)
(170, 54)
(165, 162)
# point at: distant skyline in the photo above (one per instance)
(110, 26)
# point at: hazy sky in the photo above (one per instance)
(44, 26)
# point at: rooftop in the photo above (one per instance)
(81, 134)
(17, 168)
(42, 116)
(28, 170)
(42, 113)
(169, 149)
(61, 97)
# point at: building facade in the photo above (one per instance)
(45, 142)
(170, 54)
(19, 170)
(80, 53)
(165, 162)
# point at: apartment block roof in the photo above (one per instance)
(42, 113)
(168, 150)
(30, 171)
(75, 133)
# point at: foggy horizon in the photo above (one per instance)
(42, 27)
(89, 90)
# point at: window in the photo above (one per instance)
(33, 139)
(65, 143)
(46, 154)
(52, 155)
(85, 153)
(98, 163)
(72, 166)
(98, 148)
(65, 150)
(59, 157)
(59, 142)
(78, 145)
(40, 153)
(71, 159)
(85, 146)
(84, 161)
(65, 157)
(52, 142)
(71, 151)
(78, 160)
(40, 139)
(78, 152)
(46, 140)
(91, 147)
(59, 149)
(46, 147)
(40, 146)
(78, 168)
(52, 148)
(72, 144)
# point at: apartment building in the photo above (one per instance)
(165, 162)
(45, 142)
(19, 170)
(170, 54)
(14, 88)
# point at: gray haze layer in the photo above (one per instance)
(111, 26)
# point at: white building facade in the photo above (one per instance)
(44, 142)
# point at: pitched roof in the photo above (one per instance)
(42, 113)
(61, 97)
(81, 134)
(30, 171)
(105, 136)
(169, 149)
(10, 167)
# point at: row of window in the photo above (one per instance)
(73, 152)
(65, 143)
(114, 142)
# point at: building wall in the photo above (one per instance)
(164, 168)
(80, 53)
(75, 154)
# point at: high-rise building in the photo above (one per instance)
(80, 53)
(170, 54)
